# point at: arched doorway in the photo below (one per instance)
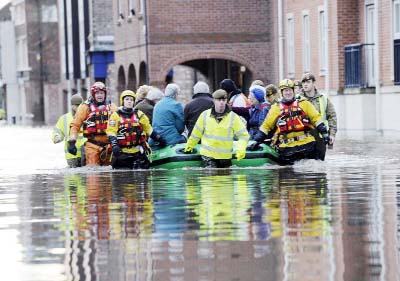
(132, 82)
(142, 73)
(121, 80)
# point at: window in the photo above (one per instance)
(306, 42)
(19, 14)
(322, 41)
(119, 10)
(396, 19)
(141, 6)
(290, 45)
(22, 53)
(131, 8)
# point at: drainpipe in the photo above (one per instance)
(377, 70)
(146, 36)
(280, 39)
(327, 27)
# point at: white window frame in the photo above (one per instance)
(306, 41)
(396, 17)
(22, 53)
(322, 40)
(19, 15)
(131, 7)
(120, 11)
(290, 46)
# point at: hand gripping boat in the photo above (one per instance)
(173, 157)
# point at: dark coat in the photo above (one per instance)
(194, 108)
(147, 107)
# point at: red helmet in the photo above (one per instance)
(97, 86)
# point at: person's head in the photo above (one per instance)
(308, 82)
(201, 88)
(271, 93)
(297, 87)
(142, 92)
(76, 100)
(228, 85)
(155, 95)
(257, 94)
(127, 99)
(286, 87)
(172, 90)
(98, 92)
(257, 82)
(220, 98)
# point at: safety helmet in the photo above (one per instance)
(285, 84)
(76, 99)
(126, 93)
(97, 86)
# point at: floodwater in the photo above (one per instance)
(332, 220)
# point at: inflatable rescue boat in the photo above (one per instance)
(173, 157)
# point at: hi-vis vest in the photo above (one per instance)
(217, 137)
(130, 131)
(323, 103)
(96, 123)
(292, 119)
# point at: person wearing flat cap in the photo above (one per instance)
(217, 128)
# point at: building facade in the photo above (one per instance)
(220, 39)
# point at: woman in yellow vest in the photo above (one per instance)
(128, 131)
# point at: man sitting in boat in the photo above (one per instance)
(168, 118)
(290, 122)
(128, 130)
(217, 128)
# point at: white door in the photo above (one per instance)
(370, 46)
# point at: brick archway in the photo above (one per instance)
(167, 65)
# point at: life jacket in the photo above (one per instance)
(96, 123)
(292, 118)
(246, 101)
(130, 131)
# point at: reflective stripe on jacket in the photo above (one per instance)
(217, 137)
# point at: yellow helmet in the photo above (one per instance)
(285, 84)
(126, 93)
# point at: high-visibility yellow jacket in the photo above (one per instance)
(62, 131)
(217, 137)
(113, 128)
(270, 125)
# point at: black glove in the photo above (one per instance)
(260, 136)
(71, 147)
(161, 141)
(254, 146)
(116, 150)
(324, 132)
(113, 140)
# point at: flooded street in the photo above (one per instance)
(332, 220)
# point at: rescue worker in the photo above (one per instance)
(290, 122)
(298, 90)
(128, 130)
(93, 116)
(325, 107)
(272, 94)
(168, 118)
(61, 133)
(217, 128)
(147, 105)
(235, 96)
(201, 101)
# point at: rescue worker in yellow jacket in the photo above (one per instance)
(61, 133)
(217, 128)
(289, 123)
(93, 116)
(128, 131)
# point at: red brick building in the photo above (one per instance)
(219, 39)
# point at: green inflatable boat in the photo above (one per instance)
(173, 157)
